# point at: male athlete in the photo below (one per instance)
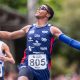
(5, 55)
(39, 38)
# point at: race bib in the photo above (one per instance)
(1, 69)
(37, 61)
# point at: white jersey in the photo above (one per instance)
(1, 52)
(1, 62)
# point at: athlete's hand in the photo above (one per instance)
(3, 58)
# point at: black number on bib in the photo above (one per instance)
(37, 62)
(42, 62)
(32, 62)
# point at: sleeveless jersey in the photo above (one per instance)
(39, 42)
(1, 62)
(1, 53)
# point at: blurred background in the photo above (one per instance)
(15, 14)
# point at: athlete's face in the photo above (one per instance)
(42, 12)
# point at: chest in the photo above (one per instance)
(40, 34)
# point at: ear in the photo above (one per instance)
(48, 15)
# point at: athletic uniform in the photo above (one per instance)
(38, 53)
(1, 62)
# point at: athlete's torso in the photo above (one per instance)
(1, 62)
(1, 52)
(39, 41)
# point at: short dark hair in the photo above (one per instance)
(50, 10)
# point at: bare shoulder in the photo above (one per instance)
(55, 31)
(26, 28)
(4, 46)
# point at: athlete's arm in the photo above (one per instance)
(15, 34)
(8, 56)
(64, 38)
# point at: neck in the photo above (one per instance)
(41, 22)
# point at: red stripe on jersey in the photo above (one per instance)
(51, 43)
(24, 56)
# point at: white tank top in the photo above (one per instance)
(1, 53)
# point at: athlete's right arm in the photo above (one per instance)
(15, 34)
(8, 55)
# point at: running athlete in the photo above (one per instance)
(5, 55)
(40, 37)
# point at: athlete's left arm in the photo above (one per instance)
(8, 56)
(64, 38)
